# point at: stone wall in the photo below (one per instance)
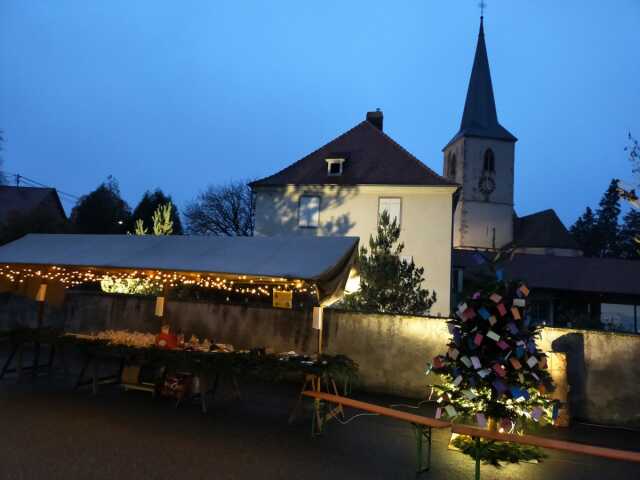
(392, 350)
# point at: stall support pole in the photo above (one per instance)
(40, 298)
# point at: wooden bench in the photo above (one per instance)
(563, 445)
(422, 425)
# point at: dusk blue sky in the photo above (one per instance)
(182, 94)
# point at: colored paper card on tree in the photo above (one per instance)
(457, 380)
(484, 372)
(520, 377)
(493, 335)
(503, 345)
(502, 310)
(515, 312)
(515, 363)
(495, 298)
(475, 361)
(520, 352)
(499, 369)
(532, 362)
(512, 328)
(524, 290)
(466, 361)
(476, 295)
(536, 413)
(469, 394)
(437, 362)
(534, 375)
(493, 320)
(499, 386)
(438, 412)
(478, 339)
(451, 411)
(519, 302)
(481, 419)
(453, 353)
(516, 393)
(499, 275)
(542, 363)
(484, 313)
(469, 314)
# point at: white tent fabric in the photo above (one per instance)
(324, 261)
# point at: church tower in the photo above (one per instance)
(480, 157)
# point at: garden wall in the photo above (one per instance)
(392, 350)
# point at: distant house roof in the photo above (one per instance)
(480, 118)
(371, 158)
(542, 230)
(609, 276)
(25, 200)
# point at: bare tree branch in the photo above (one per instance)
(222, 210)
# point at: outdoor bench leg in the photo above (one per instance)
(423, 433)
(477, 458)
(85, 364)
(14, 349)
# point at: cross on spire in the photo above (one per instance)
(482, 6)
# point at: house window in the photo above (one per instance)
(489, 161)
(309, 211)
(392, 206)
(451, 165)
(334, 166)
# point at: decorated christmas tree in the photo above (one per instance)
(493, 372)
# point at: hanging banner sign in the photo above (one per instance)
(282, 299)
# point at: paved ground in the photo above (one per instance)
(50, 432)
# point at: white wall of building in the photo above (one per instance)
(426, 222)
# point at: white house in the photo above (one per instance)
(341, 188)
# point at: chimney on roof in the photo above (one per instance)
(375, 118)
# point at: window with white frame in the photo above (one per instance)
(309, 211)
(392, 206)
(334, 166)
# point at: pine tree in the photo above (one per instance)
(102, 211)
(607, 225)
(630, 235)
(389, 283)
(586, 234)
(493, 371)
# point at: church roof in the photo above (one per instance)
(371, 158)
(480, 118)
(542, 230)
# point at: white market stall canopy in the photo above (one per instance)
(324, 262)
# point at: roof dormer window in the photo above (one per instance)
(334, 166)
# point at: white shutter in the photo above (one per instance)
(392, 206)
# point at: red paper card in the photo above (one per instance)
(502, 310)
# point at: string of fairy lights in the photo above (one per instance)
(239, 284)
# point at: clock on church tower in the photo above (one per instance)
(480, 157)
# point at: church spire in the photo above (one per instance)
(480, 118)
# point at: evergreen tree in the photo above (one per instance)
(3, 177)
(149, 205)
(102, 211)
(494, 374)
(586, 234)
(630, 235)
(387, 282)
(607, 225)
